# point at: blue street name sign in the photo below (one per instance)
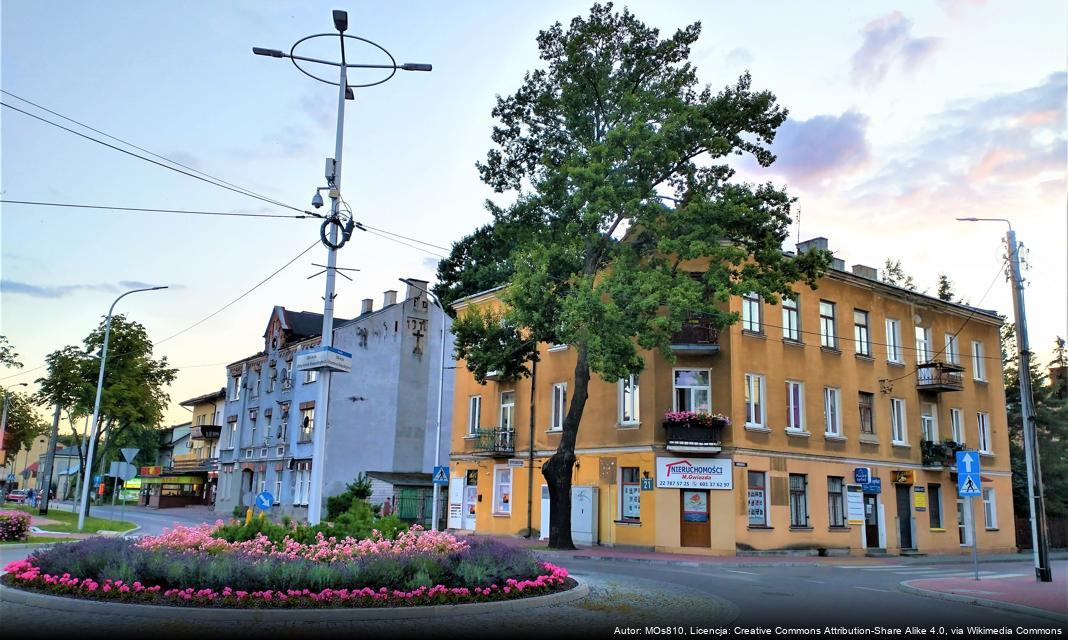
(875, 486)
(441, 475)
(862, 475)
(264, 501)
(969, 484)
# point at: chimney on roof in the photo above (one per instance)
(814, 243)
(416, 288)
(838, 264)
(366, 305)
(866, 272)
(389, 298)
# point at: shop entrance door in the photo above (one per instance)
(694, 528)
(871, 521)
(904, 516)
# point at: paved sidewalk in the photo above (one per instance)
(1022, 593)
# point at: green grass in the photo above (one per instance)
(68, 522)
(38, 540)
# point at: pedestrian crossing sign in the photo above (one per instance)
(969, 484)
(441, 475)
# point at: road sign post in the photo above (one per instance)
(970, 485)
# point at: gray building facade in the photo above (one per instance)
(382, 416)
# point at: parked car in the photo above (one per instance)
(18, 495)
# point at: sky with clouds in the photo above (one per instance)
(903, 116)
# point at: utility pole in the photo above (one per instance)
(329, 229)
(1035, 494)
(49, 461)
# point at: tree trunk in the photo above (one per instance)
(558, 469)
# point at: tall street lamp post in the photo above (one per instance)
(329, 229)
(96, 408)
(1036, 500)
(434, 513)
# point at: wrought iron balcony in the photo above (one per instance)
(697, 337)
(497, 443)
(938, 455)
(939, 376)
(183, 464)
(695, 439)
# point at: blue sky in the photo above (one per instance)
(903, 116)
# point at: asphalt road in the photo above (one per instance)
(814, 596)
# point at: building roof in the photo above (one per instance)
(402, 478)
(305, 324)
(207, 397)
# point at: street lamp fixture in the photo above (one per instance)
(96, 407)
(334, 223)
(1035, 493)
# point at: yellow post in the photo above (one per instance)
(248, 516)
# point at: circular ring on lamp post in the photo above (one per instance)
(392, 66)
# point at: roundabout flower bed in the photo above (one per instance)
(187, 566)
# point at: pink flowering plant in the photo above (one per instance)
(188, 568)
(696, 418)
(14, 526)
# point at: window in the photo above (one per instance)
(861, 333)
(978, 362)
(836, 501)
(254, 385)
(301, 479)
(502, 491)
(952, 351)
(310, 376)
(277, 487)
(474, 414)
(798, 500)
(283, 421)
(307, 424)
(893, 341)
(757, 498)
(231, 441)
(983, 420)
(832, 412)
(828, 334)
(754, 400)
(235, 388)
(630, 494)
(866, 406)
(507, 421)
(791, 320)
(628, 400)
(934, 504)
(897, 421)
(262, 484)
(270, 379)
(929, 422)
(795, 406)
(956, 424)
(692, 390)
(751, 313)
(559, 406)
(287, 382)
(990, 509)
(923, 345)
(252, 421)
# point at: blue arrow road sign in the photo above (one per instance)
(441, 475)
(969, 484)
(264, 501)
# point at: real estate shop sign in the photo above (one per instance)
(694, 473)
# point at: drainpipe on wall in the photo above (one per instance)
(530, 461)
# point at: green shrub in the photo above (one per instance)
(358, 489)
(239, 512)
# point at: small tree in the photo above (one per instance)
(894, 274)
(8, 357)
(945, 288)
(593, 143)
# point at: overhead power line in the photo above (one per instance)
(150, 210)
(211, 181)
(245, 190)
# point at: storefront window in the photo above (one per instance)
(631, 493)
(502, 491)
(757, 499)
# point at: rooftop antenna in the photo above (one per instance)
(799, 224)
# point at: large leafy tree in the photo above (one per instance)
(134, 394)
(594, 144)
(23, 422)
(1051, 425)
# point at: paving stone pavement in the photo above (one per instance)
(612, 603)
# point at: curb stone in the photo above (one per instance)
(205, 614)
(907, 587)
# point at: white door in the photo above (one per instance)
(456, 503)
(470, 500)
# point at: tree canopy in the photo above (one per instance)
(23, 422)
(594, 144)
(8, 357)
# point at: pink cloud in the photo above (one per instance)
(888, 40)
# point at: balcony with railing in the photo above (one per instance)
(695, 437)
(696, 337)
(193, 462)
(939, 376)
(938, 455)
(496, 443)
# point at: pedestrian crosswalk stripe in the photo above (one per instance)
(869, 567)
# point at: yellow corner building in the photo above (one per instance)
(845, 408)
